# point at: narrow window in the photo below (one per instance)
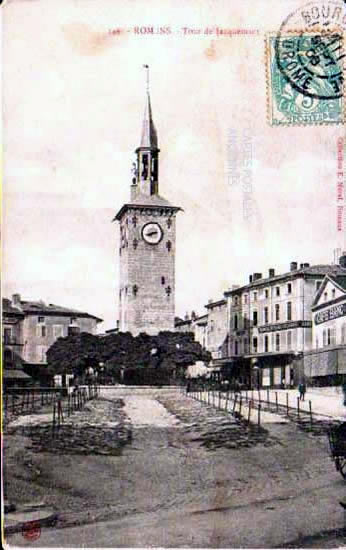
(255, 344)
(289, 311)
(277, 342)
(278, 291)
(163, 280)
(236, 322)
(265, 315)
(266, 343)
(277, 312)
(289, 288)
(255, 318)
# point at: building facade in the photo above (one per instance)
(217, 328)
(33, 327)
(197, 324)
(147, 244)
(326, 363)
(270, 323)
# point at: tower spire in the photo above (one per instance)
(149, 135)
(146, 171)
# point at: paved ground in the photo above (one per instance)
(324, 401)
(191, 476)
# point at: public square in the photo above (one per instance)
(188, 475)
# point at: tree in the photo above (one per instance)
(122, 351)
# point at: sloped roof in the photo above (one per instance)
(149, 134)
(319, 269)
(8, 308)
(15, 374)
(339, 281)
(29, 306)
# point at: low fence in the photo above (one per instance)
(249, 404)
(30, 400)
(74, 401)
(230, 402)
(26, 400)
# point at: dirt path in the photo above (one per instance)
(192, 476)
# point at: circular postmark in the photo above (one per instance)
(31, 530)
(309, 49)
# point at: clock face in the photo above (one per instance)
(152, 233)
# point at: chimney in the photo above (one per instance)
(16, 299)
(293, 266)
(271, 272)
(193, 316)
(306, 265)
(257, 276)
(342, 260)
(250, 278)
(186, 318)
(301, 266)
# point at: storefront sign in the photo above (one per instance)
(330, 313)
(284, 326)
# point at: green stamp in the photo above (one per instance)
(305, 79)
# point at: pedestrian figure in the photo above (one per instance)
(302, 391)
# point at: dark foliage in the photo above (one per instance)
(124, 352)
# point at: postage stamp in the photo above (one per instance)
(301, 89)
(305, 67)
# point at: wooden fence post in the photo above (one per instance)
(53, 416)
(259, 414)
(235, 402)
(240, 404)
(298, 407)
(287, 406)
(249, 414)
(268, 397)
(310, 410)
(276, 401)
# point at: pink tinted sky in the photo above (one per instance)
(73, 106)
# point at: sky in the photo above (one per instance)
(73, 101)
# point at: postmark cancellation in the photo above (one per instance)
(305, 78)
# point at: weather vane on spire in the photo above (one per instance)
(147, 71)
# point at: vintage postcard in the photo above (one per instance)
(174, 273)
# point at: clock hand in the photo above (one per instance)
(151, 233)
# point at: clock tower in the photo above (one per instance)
(147, 244)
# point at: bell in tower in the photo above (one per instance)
(146, 173)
